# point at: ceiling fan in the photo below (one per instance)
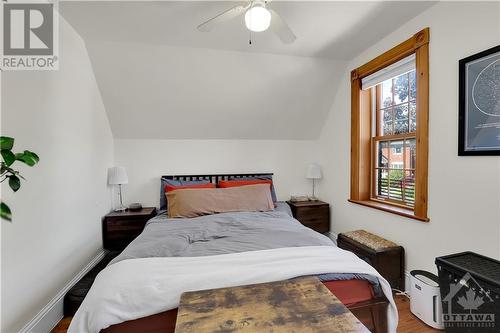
(258, 17)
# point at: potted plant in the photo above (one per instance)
(8, 173)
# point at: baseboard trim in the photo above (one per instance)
(52, 313)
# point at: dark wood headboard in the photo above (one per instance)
(215, 178)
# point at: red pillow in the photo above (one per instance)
(236, 183)
(169, 188)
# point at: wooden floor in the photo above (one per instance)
(408, 323)
(63, 325)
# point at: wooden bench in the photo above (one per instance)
(298, 305)
(386, 257)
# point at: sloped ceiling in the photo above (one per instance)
(162, 79)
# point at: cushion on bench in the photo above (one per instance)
(370, 240)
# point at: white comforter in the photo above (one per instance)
(137, 288)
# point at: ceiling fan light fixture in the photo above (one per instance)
(257, 18)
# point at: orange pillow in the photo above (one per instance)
(187, 203)
(170, 188)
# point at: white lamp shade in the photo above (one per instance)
(313, 171)
(117, 176)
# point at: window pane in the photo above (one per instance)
(401, 90)
(386, 98)
(394, 173)
(382, 183)
(401, 112)
(409, 188)
(411, 153)
(396, 155)
(401, 117)
(396, 180)
(413, 116)
(401, 127)
(413, 86)
(386, 119)
(383, 154)
(386, 114)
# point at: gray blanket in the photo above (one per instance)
(221, 234)
(227, 233)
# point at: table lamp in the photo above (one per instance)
(118, 176)
(313, 172)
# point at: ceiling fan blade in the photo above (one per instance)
(222, 17)
(281, 28)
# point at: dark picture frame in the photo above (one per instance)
(470, 113)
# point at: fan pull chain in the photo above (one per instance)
(250, 31)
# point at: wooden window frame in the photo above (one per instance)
(361, 128)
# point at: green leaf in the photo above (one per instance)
(33, 155)
(28, 157)
(6, 142)
(8, 156)
(14, 183)
(5, 212)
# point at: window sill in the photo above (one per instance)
(390, 209)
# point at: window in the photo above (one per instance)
(394, 138)
(389, 130)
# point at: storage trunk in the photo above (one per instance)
(389, 262)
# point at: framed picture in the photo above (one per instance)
(479, 104)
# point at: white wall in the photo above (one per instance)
(192, 93)
(56, 214)
(147, 160)
(464, 192)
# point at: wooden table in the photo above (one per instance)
(301, 305)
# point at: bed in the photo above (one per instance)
(140, 289)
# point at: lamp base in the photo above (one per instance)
(313, 198)
(120, 209)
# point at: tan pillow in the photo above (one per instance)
(197, 202)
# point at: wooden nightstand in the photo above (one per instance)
(312, 214)
(120, 228)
